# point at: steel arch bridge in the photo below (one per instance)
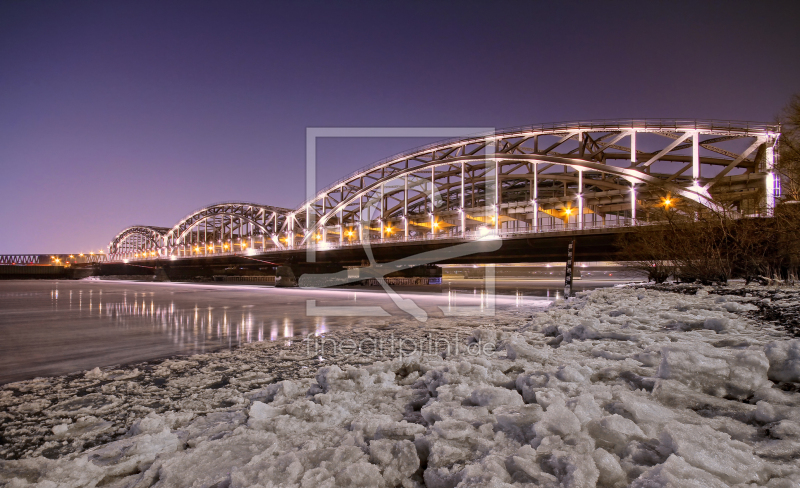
(532, 179)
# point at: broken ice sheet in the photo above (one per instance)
(603, 390)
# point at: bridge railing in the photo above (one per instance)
(469, 235)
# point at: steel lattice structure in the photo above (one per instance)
(528, 179)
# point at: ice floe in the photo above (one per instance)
(617, 387)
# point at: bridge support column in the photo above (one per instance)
(497, 196)
(405, 207)
(360, 218)
(462, 211)
(696, 158)
(771, 180)
(580, 200)
(382, 205)
(535, 196)
(433, 197)
(324, 226)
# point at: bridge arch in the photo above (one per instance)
(533, 178)
(588, 159)
(222, 227)
(138, 239)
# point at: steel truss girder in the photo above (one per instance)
(558, 162)
(592, 149)
(267, 219)
(145, 233)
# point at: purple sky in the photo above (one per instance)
(119, 113)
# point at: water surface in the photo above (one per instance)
(57, 327)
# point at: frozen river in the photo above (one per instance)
(57, 327)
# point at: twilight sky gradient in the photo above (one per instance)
(119, 113)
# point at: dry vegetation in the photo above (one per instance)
(694, 243)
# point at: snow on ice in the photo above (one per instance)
(618, 387)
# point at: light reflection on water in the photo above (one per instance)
(54, 327)
(196, 325)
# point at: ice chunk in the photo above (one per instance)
(328, 374)
(360, 474)
(738, 307)
(584, 331)
(550, 396)
(571, 374)
(94, 374)
(213, 425)
(33, 406)
(610, 472)
(678, 395)
(675, 472)
(646, 413)
(716, 323)
(719, 372)
(527, 384)
(261, 414)
(614, 432)
(768, 413)
(210, 463)
(152, 423)
(494, 396)
(557, 420)
(712, 451)
(483, 335)
(397, 460)
(91, 404)
(517, 422)
(127, 456)
(786, 429)
(47, 473)
(784, 360)
(573, 469)
(283, 390)
(585, 407)
(518, 348)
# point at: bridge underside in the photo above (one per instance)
(592, 245)
(522, 185)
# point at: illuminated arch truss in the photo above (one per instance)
(556, 177)
(139, 241)
(227, 227)
(529, 179)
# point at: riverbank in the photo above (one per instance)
(618, 387)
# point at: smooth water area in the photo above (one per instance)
(58, 327)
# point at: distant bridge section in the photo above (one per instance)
(50, 259)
